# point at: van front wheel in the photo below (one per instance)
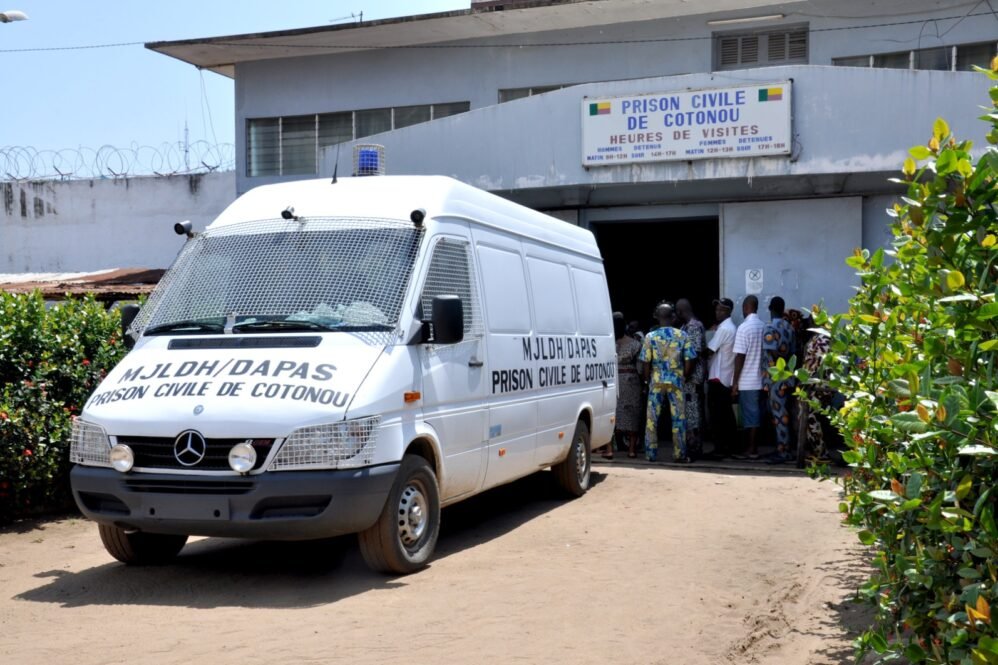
(137, 548)
(405, 535)
(572, 475)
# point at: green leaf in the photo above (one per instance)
(920, 152)
(988, 345)
(866, 537)
(946, 162)
(977, 450)
(969, 573)
(964, 486)
(988, 311)
(883, 495)
(940, 129)
(914, 653)
(988, 644)
(909, 421)
(914, 487)
(878, 642)
(954, 280)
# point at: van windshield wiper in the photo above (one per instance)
(280, 324)
(189, 325)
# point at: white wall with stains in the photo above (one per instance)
(89, 225)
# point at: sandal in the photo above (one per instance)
(632, 455)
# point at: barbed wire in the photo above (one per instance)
(27, 163)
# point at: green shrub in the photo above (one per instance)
(915, 353)
(51, 359)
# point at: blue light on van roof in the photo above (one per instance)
(369, 160)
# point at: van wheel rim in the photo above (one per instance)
(413, 515)
(581, 459)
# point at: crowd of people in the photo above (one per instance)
(682, 382)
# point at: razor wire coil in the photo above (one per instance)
(27, 163)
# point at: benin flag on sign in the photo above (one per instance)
(599, 108)
(770, 94)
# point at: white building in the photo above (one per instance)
(715, 148)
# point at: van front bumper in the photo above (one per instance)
(276, 505)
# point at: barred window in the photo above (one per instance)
(959, 58)
(509, 94)
(451, 273)
(290, 145)
(270, 275)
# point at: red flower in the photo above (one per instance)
(4, 416)
(27, 452)
(85, 362)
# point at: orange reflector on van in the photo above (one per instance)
(412, 396)
(561, 435)
(502, 452)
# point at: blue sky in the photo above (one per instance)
(54, 100)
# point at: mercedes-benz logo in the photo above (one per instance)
(190, 448)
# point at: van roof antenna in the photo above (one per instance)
(336, 166)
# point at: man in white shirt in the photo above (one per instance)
(747, 380)
(720, 378)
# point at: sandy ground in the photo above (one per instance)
(653, 565)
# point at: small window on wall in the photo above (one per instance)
(975, 54)
(453, 108)
(761, 48)
(373, 121)
(263, 140)
(901, 60)
(298, 147)
(505, 290)
(451, 273)
(509, 94)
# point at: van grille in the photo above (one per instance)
(156, 452)
(183, 485)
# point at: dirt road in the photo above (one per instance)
(653, 565)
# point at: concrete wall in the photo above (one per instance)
(89, 225)
(847, 123)
(800, 247)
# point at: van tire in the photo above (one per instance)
(405, 535)
(573, 474)
(138, 548)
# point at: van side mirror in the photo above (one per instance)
(448, 320)
(128, 314)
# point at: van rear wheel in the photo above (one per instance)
(405, 535)
(137, 548)
(573, 474)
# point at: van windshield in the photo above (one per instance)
(284, 275)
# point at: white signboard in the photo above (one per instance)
(742, 121)
(753, 281)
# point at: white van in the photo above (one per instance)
(349, 357)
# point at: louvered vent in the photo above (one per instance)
(729, 51)
(777, 46)
(798, 45)
(750, 49)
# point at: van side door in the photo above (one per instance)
(512, 381)
(454, 375)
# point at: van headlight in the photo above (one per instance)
(343, 445)
(89, 444)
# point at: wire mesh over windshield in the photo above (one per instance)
(334, 272)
